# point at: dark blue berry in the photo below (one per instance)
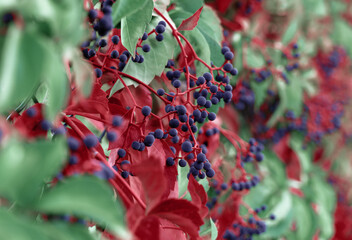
(208, 104)
(91, 53)
(116, 121)
(182, 163)
(213, 88)
(112, 136)
(174, 123)
(201, 101)
(200, 81)
(115, 39)
(73, 144)
(201, 157)
(73, 160)
(114, 54)
(177, 83)
(146, 48)
(160, 28)
(162, 23)
(182, 118)
(173, 132)
(92, 14)
(207, 76)
(228, 67)
(210, 173)
(90, 141)
(123, 58)
(204, 114)
(45, 125)
(160, 91)
(159, 37)
(158, 134)
(125, 174)
(145, 36)
(186, 146)
(146, 111)
(103, 43)
(121, 152)
(225, 50)
(136, 145)
(149, 140)
(170, 161)
(228, 55)
(214, 100)
(98, 72)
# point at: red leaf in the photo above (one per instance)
(180, 212)
(191, 22)
(198, 195)
(148, 228)
(151, 174)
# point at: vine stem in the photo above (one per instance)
(118, 177)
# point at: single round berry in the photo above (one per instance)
(170, 161)
(91, 53)
(183, 118)
(196, 113)
(213, 88)
(90, 141)
(159, 37)
(175, 139)
(73, 144)
(204, 114)
(45, 125)
(225, 50)
(228, 67)
(160, 28)
(73, 160)
(214, 100)
(174, 123)
(223, 186)
(200, 81)
(125, 174)
(207, 76)
(173, 132)
(259, 157)
(160, 92)
(123, 58)
(116, 121)
(186, 146)
(208, 104)
(149, 140)
(201, 157)
(121, 152)
(145, 36)
(158, 134)
(98, 72)
(182, 163)
(211, 116)
(115, 39)
(272, 217)
(146, 111)
(92, 14)
(136, 145)
(146, 48)
(177, 83)
(114, 54)
(234, 72)
(201, 101)
(162, 23)
(210, 173)
(228, 55)
(112, 136)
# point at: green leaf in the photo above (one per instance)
(25, 166)
(290, 31)
(282, 105)
(209, 228)
(21, 66)
(182, 179)
(189, 6)
(22, 228)
(254, 58)
(201, 47)
(133, 26)
(154, 61)
(304, 218)
(211, 30)
(125, 8)
(284, 216)
(260, 91)
(294, 92)
(57, 85)
(305, 155)
(84, 196)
